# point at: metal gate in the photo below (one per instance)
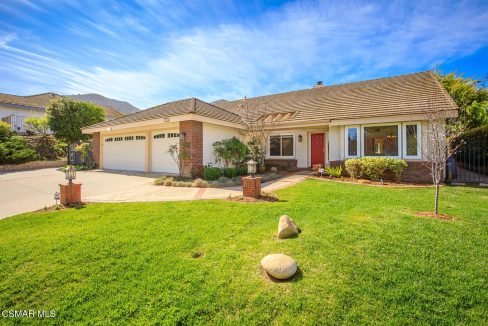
(470, 164)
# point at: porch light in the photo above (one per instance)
(251, 168)
(300, 138)
(70, 173)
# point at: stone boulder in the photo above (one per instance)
(279, 266)
(286, 227)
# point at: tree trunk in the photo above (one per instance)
(436, 205)
(69, 154)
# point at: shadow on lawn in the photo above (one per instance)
(295, 278)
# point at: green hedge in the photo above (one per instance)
(213, 173)
(15, 150)
(375, 168)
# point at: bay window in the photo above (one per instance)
(281, 146)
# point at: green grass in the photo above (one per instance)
(364, 258)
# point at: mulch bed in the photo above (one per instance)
(433, 215)
(60, 207)
(263, 198)
(386, 183)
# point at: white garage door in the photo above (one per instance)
(161, 160)
(125, 152)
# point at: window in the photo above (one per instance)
(108, 139)
(119, 138)
(173, 135)
(381, 140)
(281, 145)
(140, 137)
(352, 141)
(129, 138)
(158, 136)
(411, 140)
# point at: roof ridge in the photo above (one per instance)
(334, 85)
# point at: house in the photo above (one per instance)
(322, 125)
(15, 109)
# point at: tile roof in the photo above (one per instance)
(186, 106)
(399, 95)
(405, 94)
(40, 101)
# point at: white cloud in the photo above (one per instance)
(6, 38)
(286, 49)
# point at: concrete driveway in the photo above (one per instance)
(26, 191)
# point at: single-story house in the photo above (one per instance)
(321, 125)
(14, 109)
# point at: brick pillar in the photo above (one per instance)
(251, 187)
(191, 147)
(70, 193)
(96, 148)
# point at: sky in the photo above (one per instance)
(149, 52)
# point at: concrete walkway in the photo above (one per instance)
(26, 191)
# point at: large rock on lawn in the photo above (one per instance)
(279, 266)
(286, 228)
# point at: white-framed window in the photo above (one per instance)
(140, 137)
(119, 138)
(381, 140)
(412, 140)
(129, 137)
(281, 146)
(109, 139)
(352, 141)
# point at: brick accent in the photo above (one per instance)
(281, 163)
(96, 148)
(251, 187)
(70, 193)
(191, 142)
(415, 172)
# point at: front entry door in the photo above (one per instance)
(318, 149)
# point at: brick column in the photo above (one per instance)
(251, 187)
(191, 144)
(96, 148)
(70, 193)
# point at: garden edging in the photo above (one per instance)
(33, 165)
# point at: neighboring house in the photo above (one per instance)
(322, 125)
(15, 109)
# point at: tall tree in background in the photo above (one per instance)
(66, 117)
(470, 95)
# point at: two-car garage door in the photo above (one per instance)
(128, 152)
(125, 152)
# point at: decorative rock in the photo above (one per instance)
(274, 169)
(279, 266)
(286, 227)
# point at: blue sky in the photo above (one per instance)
(149, 52)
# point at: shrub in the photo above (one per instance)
(212, 173)
(200, 183)
(354, 167)
(5, 131)
(335, 172)
(230, 172)
(374, 167)
(15, 151)
(230, 152)
(60, 148)
(397, 166)
(242, 170)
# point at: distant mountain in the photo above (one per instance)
(121, 106)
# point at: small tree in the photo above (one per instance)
(260, 124)
(179, 153)
(66, 117)
(442, 131)
(37, 125)
(230, 151)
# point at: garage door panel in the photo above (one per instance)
(125, 152)
(161, 159)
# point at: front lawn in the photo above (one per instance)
(364, 259)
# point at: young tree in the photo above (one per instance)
(37, 125)
(179, 153)
(442, 132)
(260, 124)
(66, 117)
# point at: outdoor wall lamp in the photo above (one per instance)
(300, 138)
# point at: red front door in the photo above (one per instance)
(318, 149)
